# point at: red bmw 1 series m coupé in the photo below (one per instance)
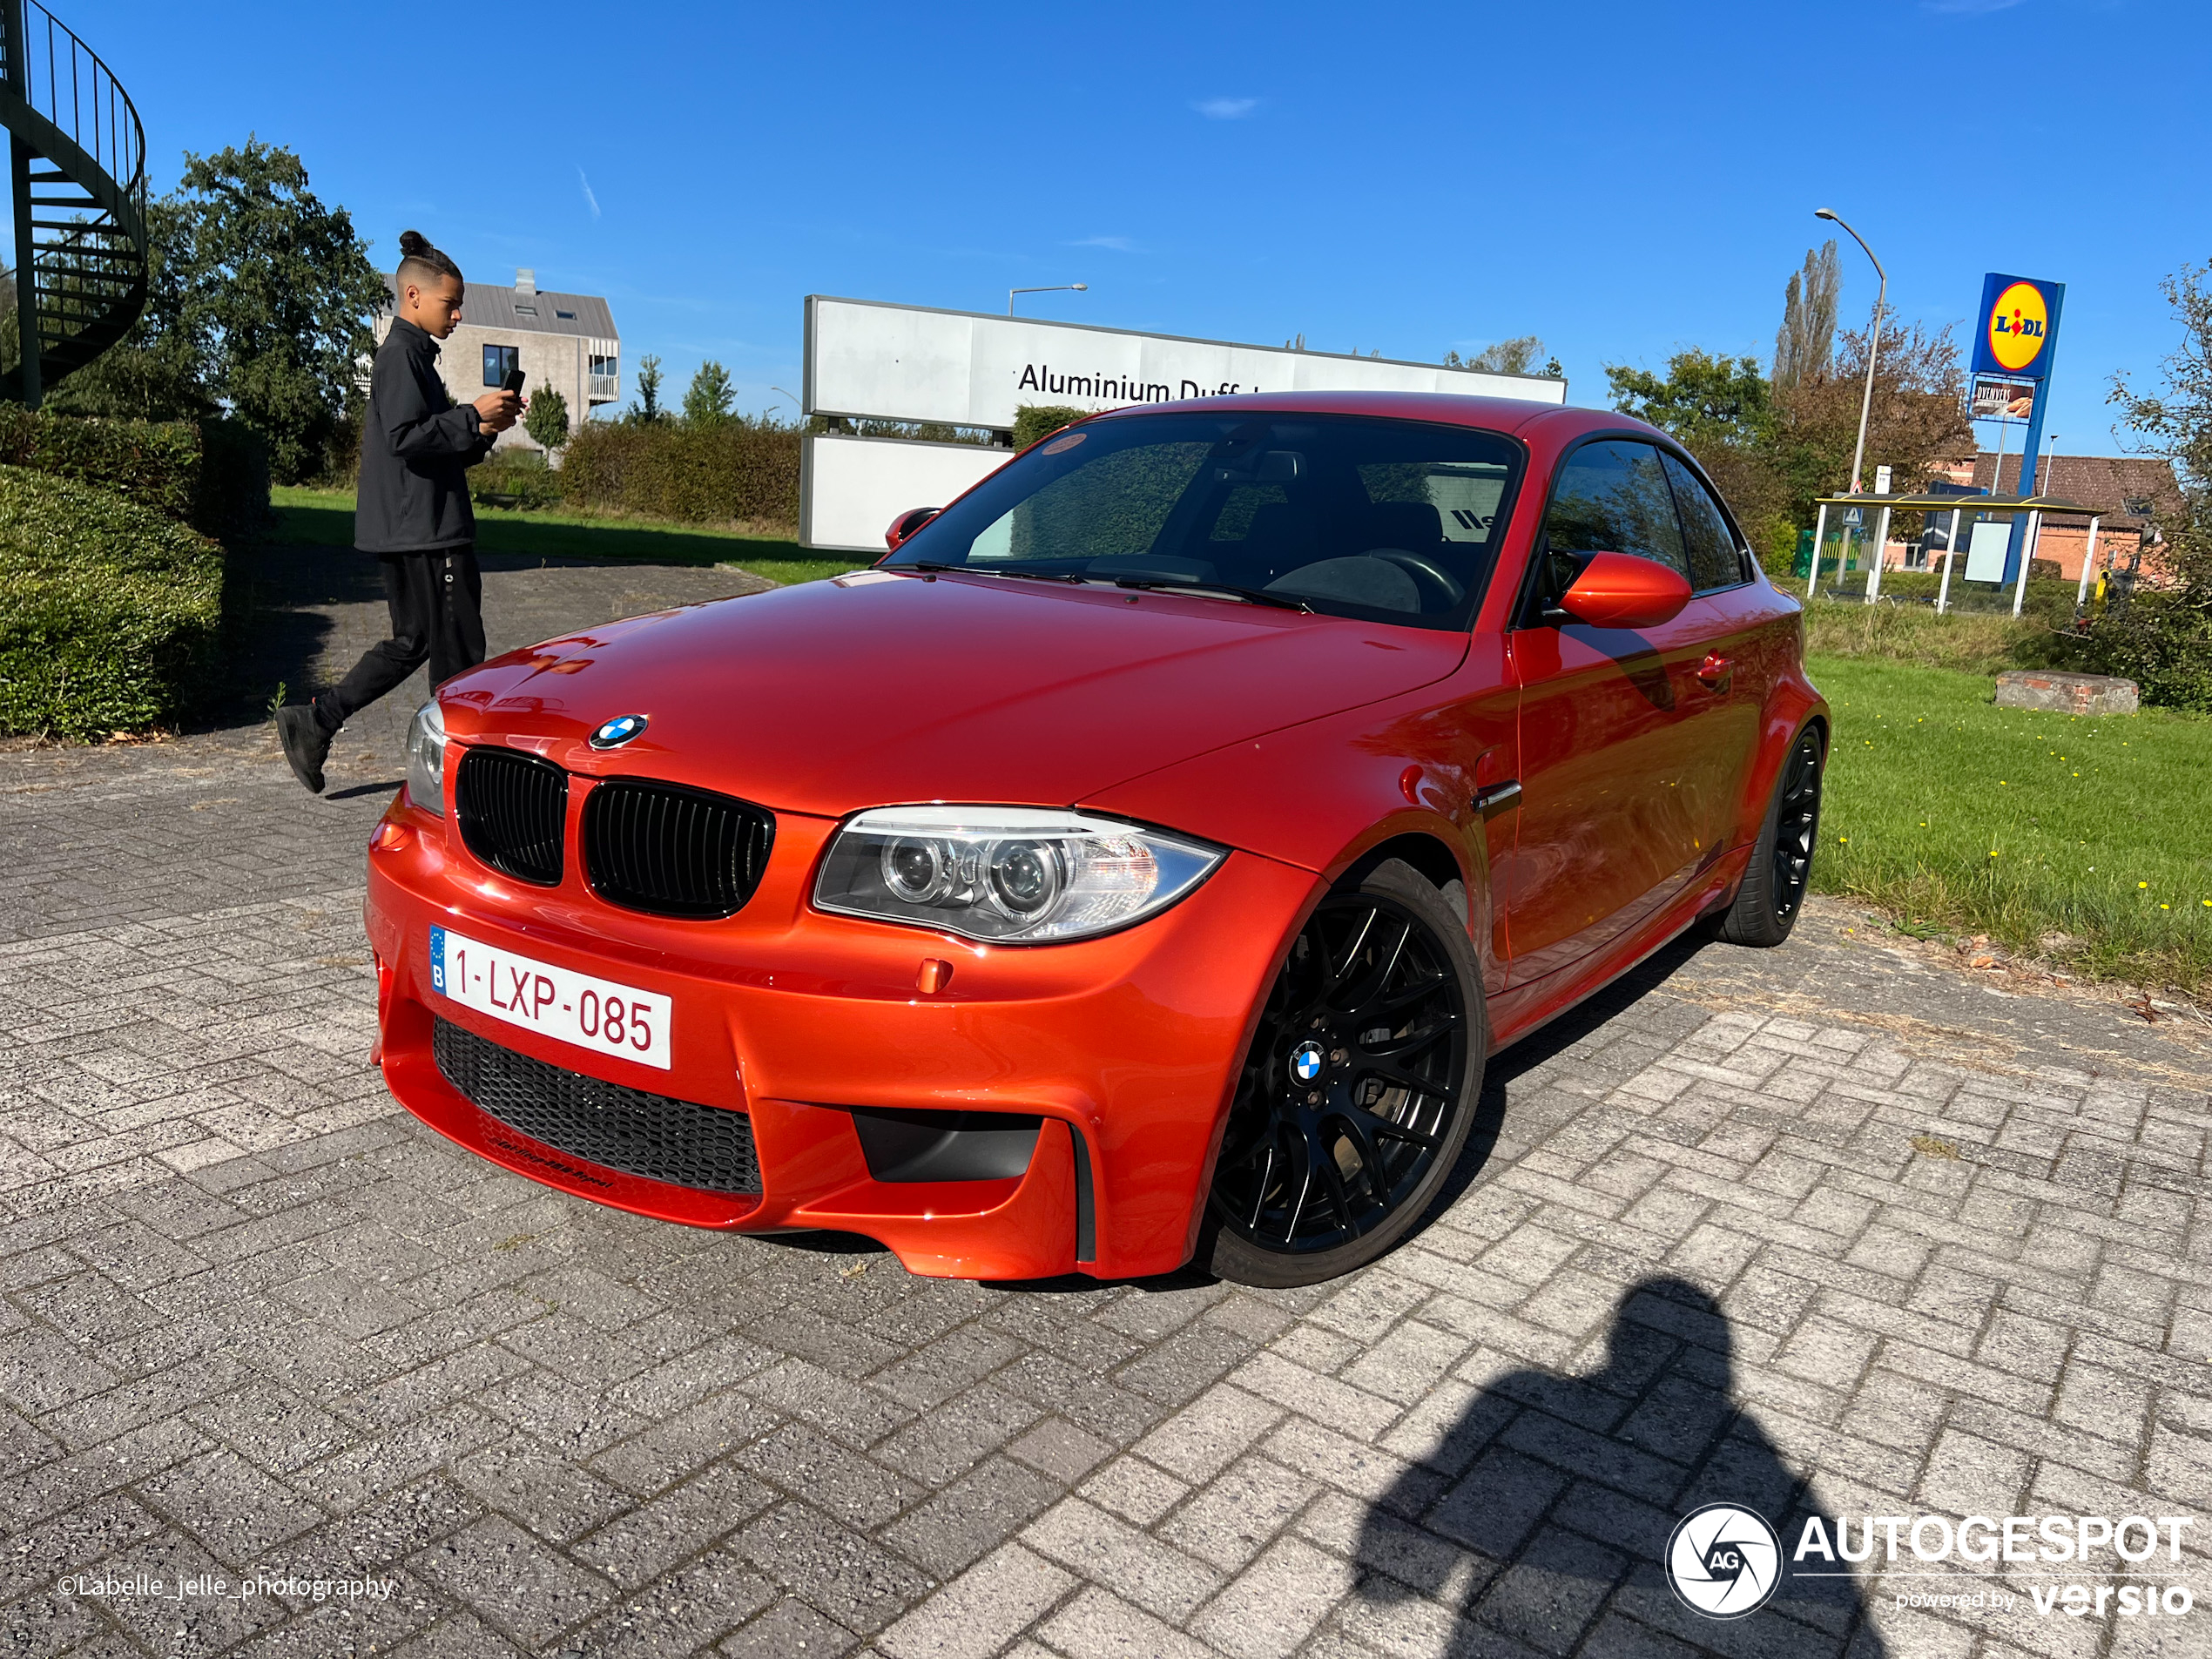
(1137, 865)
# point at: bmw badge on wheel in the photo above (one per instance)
(1724, 1560)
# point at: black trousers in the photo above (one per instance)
(437, 600)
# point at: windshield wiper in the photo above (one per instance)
(933, 569)
(1253, 596)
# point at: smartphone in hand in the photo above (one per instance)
(513, 382)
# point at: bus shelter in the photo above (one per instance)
(1957, 506)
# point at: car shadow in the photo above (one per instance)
(1547, 1509)
(1547, 1042)
(1483, 1133)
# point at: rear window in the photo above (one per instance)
(1389, 520)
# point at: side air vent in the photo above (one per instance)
(512, 812)
(672, 851)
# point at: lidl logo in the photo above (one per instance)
(2018, 326)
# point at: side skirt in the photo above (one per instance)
(1520, 1009)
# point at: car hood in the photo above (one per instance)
(875, 689)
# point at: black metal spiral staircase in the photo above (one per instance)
(78, 162)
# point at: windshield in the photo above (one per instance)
(1386, 520)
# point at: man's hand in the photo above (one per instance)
(496, 410)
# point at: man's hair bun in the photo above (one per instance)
(417, 255)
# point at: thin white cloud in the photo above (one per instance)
(1118, 244)
(588, 196)
(1226, 109)
(1972, 7)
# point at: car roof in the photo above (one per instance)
(1517, 417)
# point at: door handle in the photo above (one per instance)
(1716, 670)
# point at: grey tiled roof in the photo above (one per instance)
(2104, 482)
(489, 306)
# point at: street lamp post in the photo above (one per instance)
(1874, 347)
(795, 404)
(1049, 287)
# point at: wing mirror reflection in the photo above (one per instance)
(906, 523)
(1621, 591)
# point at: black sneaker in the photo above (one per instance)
(305, 744)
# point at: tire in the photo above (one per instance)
(1772, 892)
(1380, 996)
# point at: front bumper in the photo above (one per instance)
(1127, 1048)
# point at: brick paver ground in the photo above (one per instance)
(255, 1321)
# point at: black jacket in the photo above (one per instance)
(416, 450)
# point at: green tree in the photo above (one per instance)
(1514, 357)
(710, 395)
(1774, 451)
(1804, 346)
(274, 293)
(1703, 400)
(547, 420)
(647, 409)
(154, 373)
(2163, 640)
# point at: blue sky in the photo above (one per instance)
(1623, 180)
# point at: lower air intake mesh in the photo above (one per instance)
(707, 1148)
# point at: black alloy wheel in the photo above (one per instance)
(1773, 889)
(1359, 1089)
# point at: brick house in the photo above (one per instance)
(567, 341)
(2126, 488)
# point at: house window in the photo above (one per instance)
(500, 361)
(565, 316)
(603, 365)
(526, 311)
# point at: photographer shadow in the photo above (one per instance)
(1544, 1512)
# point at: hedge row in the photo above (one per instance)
(110, 611)
(691, 471)
(520, 479)
(212, 474)
(1033, 421)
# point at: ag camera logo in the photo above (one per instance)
(1724, 1561)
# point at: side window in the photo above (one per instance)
(1612, 497)
(1713, 562)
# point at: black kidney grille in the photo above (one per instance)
(513, 811)
(708, 1148)
(673, 851)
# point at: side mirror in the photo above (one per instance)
(1620, 590)
(906, 523)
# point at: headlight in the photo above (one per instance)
(425, 759)
(1012, 874)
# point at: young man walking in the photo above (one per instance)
(412, 510)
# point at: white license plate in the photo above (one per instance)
(595, 1013)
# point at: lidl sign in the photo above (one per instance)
(2020, 321)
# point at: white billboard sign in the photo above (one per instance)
(864, 359)
(851, 489)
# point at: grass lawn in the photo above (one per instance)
(1973, 641)
(325, 518)
(2088, 841)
